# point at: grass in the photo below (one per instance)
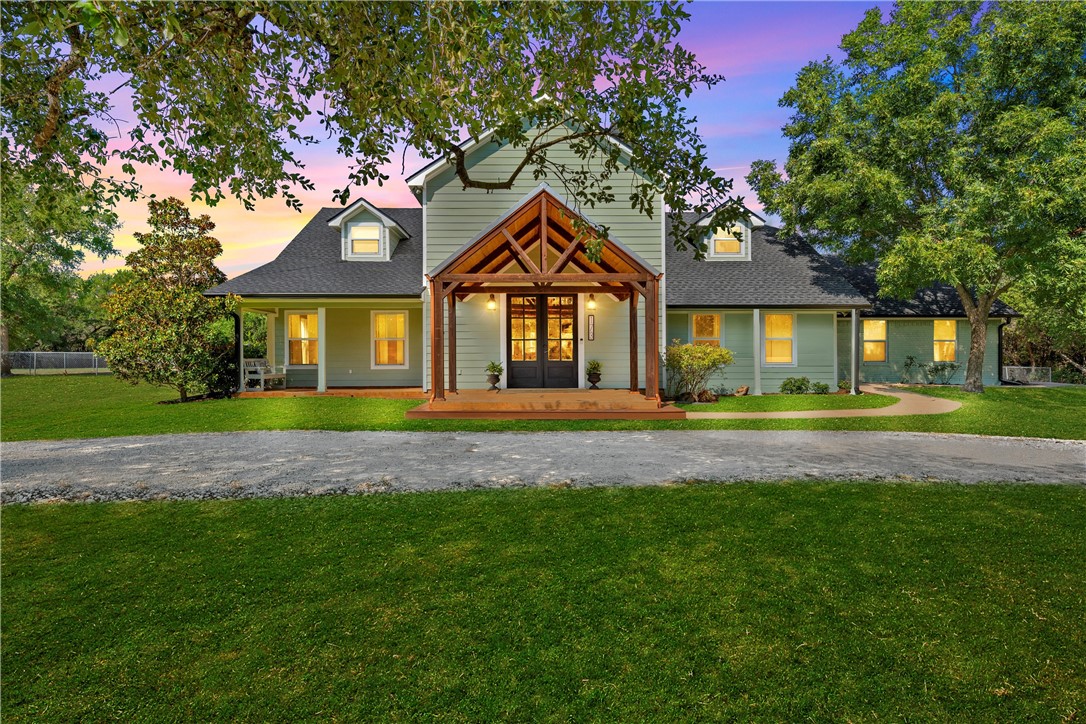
(42, 408)
(779, 403)
(773, 602)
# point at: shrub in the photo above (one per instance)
(494, 368)
(820, 388)
(941, 372)
(796, 386)
(689, 367)
(907, 369)
(593, 367)
(845, 384)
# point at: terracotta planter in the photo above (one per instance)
(493, 380)
(594, 378)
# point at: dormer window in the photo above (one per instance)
(730, 243)
(364, 240)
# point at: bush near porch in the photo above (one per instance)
(57, 407)
(787, 602)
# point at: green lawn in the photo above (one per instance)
(33, 408)
(775, 602)
(780, 403)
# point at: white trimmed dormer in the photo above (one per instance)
(733, 243)
(366, 234)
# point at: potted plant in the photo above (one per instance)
(493, 374)
(593, 368)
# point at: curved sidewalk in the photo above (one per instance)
(909, 403)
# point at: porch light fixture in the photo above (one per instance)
(492, 303)
(591, 301)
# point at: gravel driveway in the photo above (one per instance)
(273, 464)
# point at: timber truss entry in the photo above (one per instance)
(535, 249)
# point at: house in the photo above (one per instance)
(428, 296)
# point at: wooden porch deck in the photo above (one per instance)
(534, 404)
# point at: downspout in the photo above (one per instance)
(999, 354)
(239, 351)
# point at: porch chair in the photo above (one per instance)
(258, 371)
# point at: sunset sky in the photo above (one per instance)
(758, 47)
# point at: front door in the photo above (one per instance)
(542, 330)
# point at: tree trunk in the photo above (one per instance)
(978, 341)
(5, 358)
(183, 392)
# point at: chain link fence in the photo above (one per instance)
(57, 363)
(1026, 375)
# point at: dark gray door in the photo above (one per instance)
(542, 330)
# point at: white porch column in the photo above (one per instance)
(757, 351)
(273, 355)
(854, 362)
(322, 348)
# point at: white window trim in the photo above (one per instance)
(406, 339)
(744, 247)
(287, 339)
(935, 340)
(885, 343)
(694, 340)
(794, 340)
(382, 242)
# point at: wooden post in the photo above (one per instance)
(437, 362)
(635, 385)
(652, 341)
(452, 343)
(543, 233)
(322, 350)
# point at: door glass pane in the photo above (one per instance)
(518, 350)
(553, 327)
(553, 351)
(567, 350)
(529, 351)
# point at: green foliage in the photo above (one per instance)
(948, 144)
(939, 373)
(224, 92)
(594, 367)
(254, 334)
(164, 325)
(689, 367)
(907, 375)
(494, 368)
(796, 386)
(820, 388)
(844, 384)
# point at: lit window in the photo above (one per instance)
(946, 340)
(874, 340)
(365, 239)
(728, 242)
(707, 329)
(778, 339)
(302, 338)
(389, 339)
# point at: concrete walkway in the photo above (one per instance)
(280, 464)
(909, 403)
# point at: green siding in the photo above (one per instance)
(348, 346)
(612, 343)
(813, 347)
(916, 337)
(477, 330)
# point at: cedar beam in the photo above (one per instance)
(542, 278)
(437, 363)
(452, 343)
(543, 231)
(580, 289)
(529, 265)
(634, 384)
(652, 341)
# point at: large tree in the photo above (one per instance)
(164, 325)
(949, 145)
(231, 93)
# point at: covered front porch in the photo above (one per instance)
(528, 294)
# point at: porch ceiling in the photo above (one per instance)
(537, 247)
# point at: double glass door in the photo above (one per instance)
(542, 334)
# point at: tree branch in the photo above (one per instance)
(55, 85)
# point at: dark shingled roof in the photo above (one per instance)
(312, 264)
(780, 273)
(940, 300)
